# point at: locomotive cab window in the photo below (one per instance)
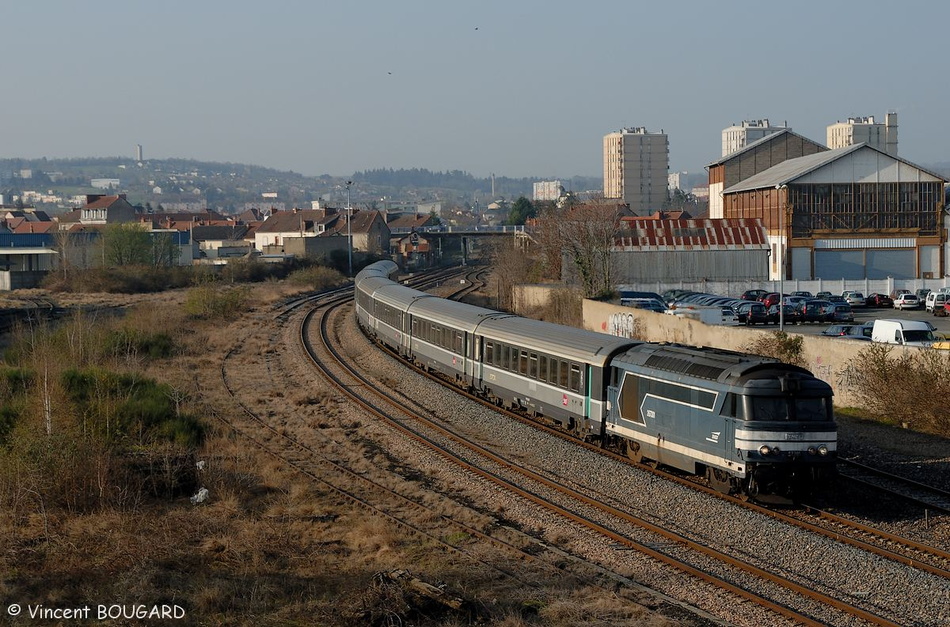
(811, 409)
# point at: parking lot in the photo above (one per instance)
(867, 314)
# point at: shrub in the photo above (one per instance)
(779, 345)
(908, 386)
(316, 278)
(213, 302)
(153, 345)
(129, 408)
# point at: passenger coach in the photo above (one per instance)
(549, 369)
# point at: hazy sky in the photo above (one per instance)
(516, 87)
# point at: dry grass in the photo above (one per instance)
(270, 546)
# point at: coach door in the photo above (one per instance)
(473, 351)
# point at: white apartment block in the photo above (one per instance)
(865, 130)
(636, 167)
(740, 135)
(676, 180)
(547, 190)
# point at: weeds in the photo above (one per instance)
(779, 345)
(909, 388)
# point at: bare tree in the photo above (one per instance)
(511, 267)
(587, 233)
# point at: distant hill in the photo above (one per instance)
(229, 187)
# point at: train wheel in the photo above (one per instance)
(634, 452)
(719, 480)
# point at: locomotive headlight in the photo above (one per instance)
(765, 450)
(812, 450)
(822, 450)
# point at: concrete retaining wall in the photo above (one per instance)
(829, 359)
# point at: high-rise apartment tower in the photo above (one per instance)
(739, 136)
(865, 130)
(636, 167)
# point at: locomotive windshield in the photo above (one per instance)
(799, 408)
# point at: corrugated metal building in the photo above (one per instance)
(848, 213)
(757, 157)
(651, 250)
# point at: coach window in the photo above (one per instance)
(523, 363)
(503, 356)
(533, 365)
(513, 359)
(562, 374)
(575, 378)
(543, 368)
(459, 343)
(489, 353)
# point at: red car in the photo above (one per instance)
(879, 300)
(770, 299)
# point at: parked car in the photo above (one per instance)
(770, 299)
(790, 315)
(898, 292)
(729, 316)
(753, 294)
(650, 304)
(879, 300)
(855, 299)
(922, 293)
(804, 293)
(837, 330)
(935, 301)
(752, 313)
(812, 310)
(907, 301)
(861, 332)
(824, 295)
(839, 312)
(836, 298)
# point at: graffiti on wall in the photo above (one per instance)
(623, 325)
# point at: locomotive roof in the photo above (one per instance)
(705, 363)
(555, 339)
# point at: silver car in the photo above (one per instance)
(907, 301)
(855, 299)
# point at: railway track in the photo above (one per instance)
(813, 519)
(582, 517)
(404, 510)
(926, 497)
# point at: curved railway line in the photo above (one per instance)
(404, 510)
(601, 513)
(628, 517)
(837, 527)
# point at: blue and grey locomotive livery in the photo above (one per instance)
(749, 424)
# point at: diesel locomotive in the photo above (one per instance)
(751, 425)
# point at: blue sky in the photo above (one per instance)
(516, 88)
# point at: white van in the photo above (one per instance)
(935, 302)
(905, 332)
